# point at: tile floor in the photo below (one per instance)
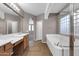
(37, 48)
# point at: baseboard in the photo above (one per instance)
(37, 40)
(40, 40)
(43, 42)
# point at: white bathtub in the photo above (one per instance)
(59, 45)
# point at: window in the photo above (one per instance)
(31, 25)
(65, 24)
(76, 23)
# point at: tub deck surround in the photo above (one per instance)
(19, 41)
(59, 44)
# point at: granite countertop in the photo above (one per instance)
(13, 38)
(4, 41)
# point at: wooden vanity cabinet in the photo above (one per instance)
(16, 49)
(6, 50)
(1, 49)
(26, 41)
(9, 48)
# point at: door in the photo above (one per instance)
(39, 30)
(9, 27)
(12, 27)
(31, 30)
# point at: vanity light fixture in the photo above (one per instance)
(14, 6)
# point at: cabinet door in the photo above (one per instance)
(8, 49)
(1, 49)
(8, 46)
(26, 42)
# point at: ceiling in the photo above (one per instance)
(56, 7)
(69, 8)
(39, 8)
(35, 8)
(6, 9)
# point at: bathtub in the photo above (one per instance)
(59, 45)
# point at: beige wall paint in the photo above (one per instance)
(3, 22)
(2, 26)
(49, 25)
(24, 24)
